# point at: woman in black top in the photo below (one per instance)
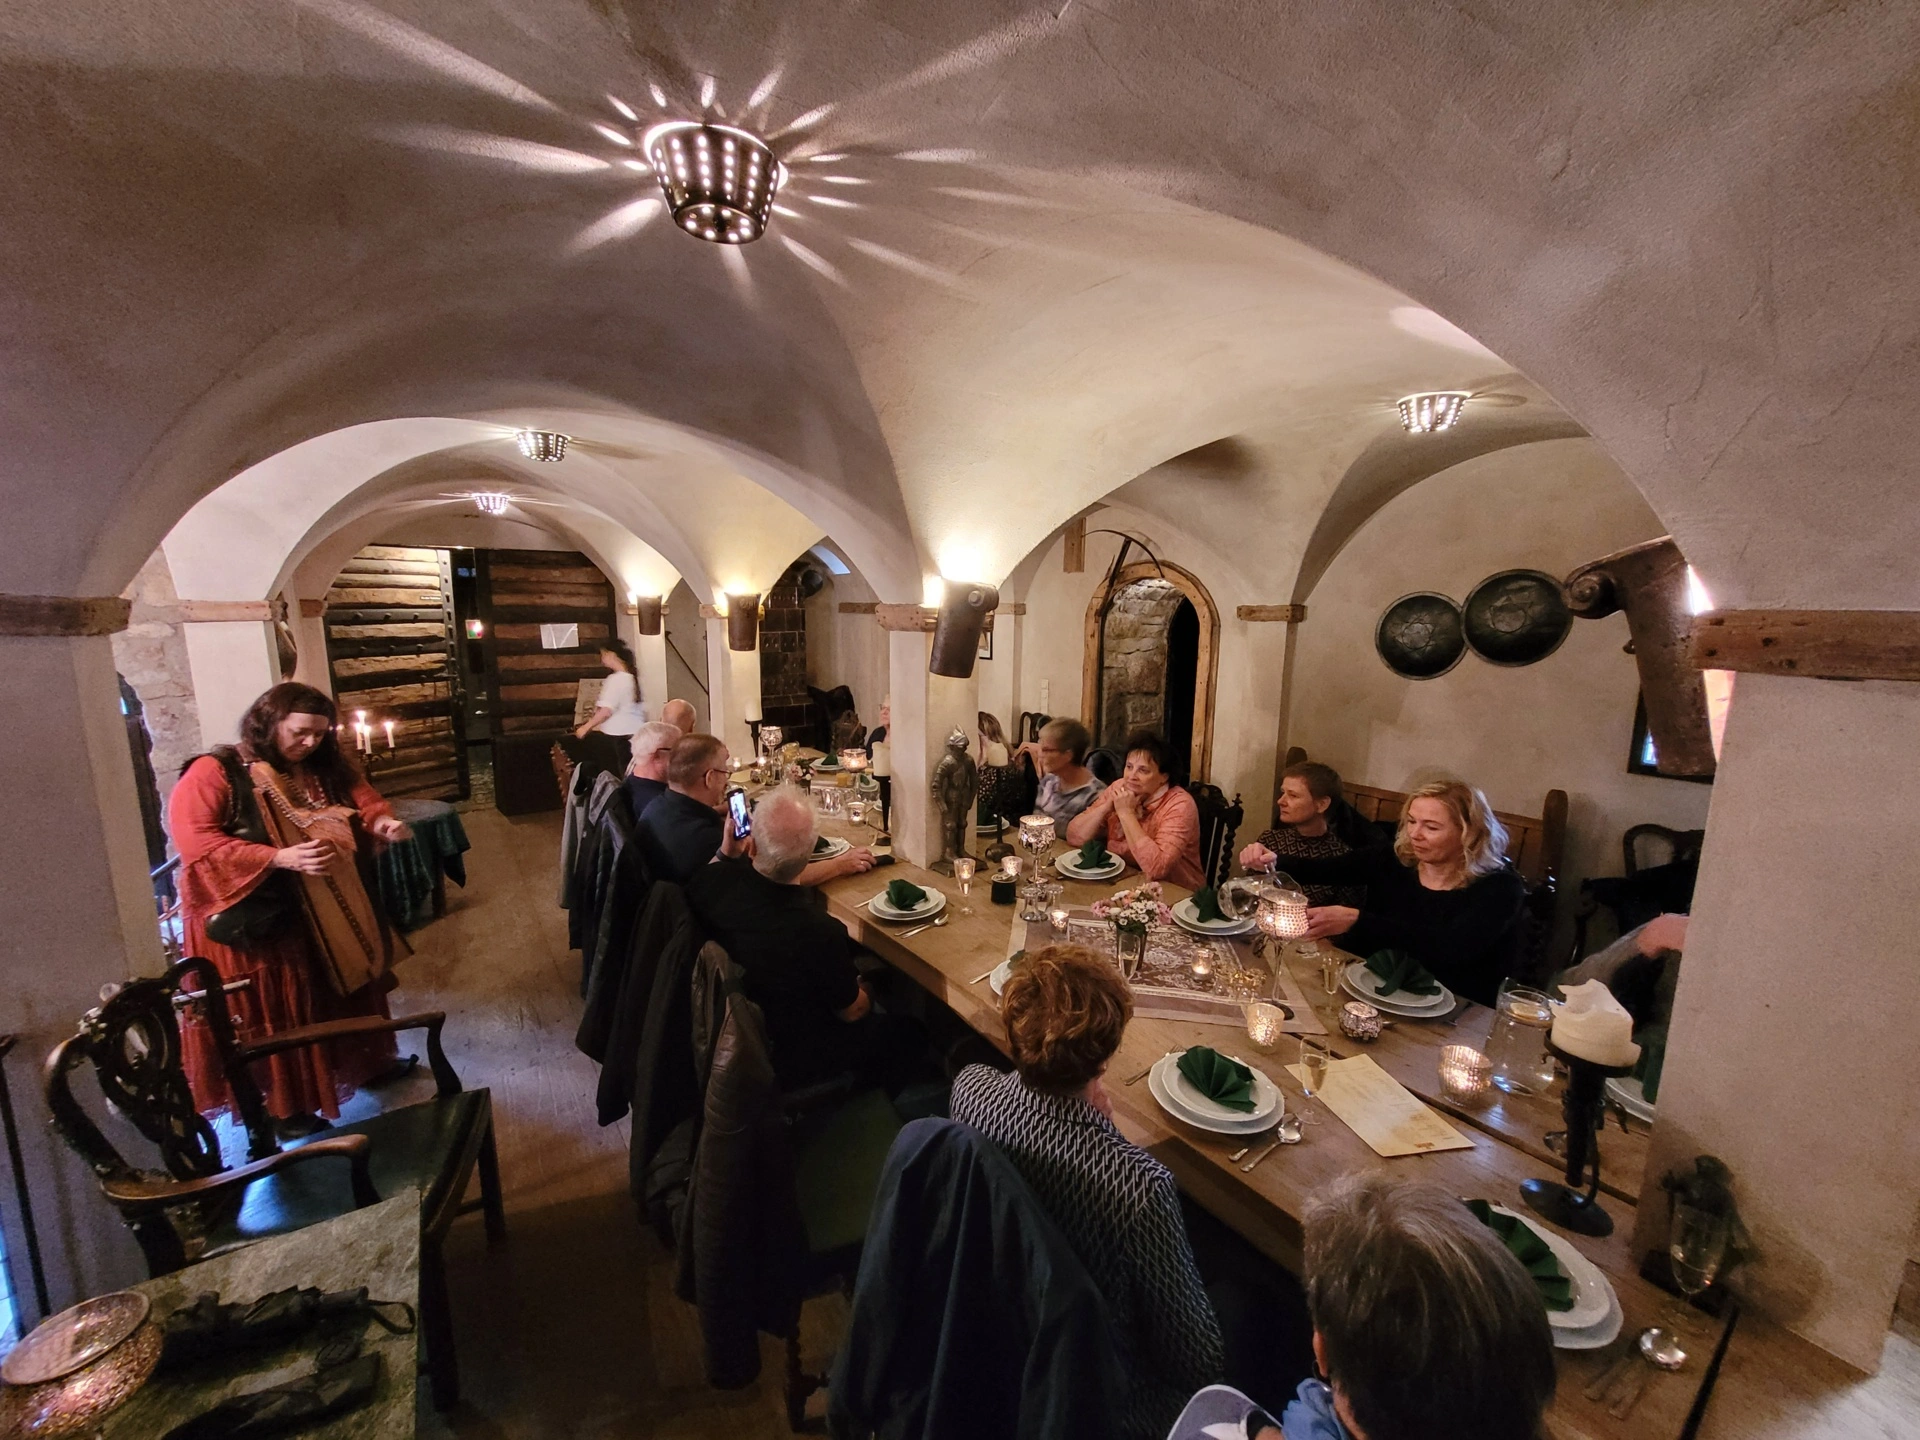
(1444, 894)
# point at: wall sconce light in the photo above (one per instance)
(1432, 412)
(743, 622)
(648, 612)
(956, 633)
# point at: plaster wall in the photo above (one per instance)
(848, 650)
(687, 660)
(1052, 645)
(152, 654)
(1516, 732)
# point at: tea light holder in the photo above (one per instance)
(1057, 920)
(853, 761)
(1201, 968)
(1359, 1021)
(1465, 1073)
(1266, 1023)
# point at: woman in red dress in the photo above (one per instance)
(286, 779)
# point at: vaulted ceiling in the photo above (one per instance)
(1032, 254)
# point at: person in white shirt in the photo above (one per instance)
(605, 737)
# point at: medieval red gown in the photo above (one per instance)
(289, 986)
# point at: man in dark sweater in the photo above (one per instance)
(799, 960)
(652, 752)
(681, 830)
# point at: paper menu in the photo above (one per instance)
(1382, 1111)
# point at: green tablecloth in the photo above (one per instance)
(412, 871)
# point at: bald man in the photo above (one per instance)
(680, 713)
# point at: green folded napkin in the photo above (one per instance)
(1093, 854)
(821, 845)
(1223, 1081)
(1653, 1057)
(1206, 904)
(904, 894)
(1400, 971)
(1536, 1257)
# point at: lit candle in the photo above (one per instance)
(389, 725)
(1057, 918)
(1464, 1071)
(1010, 866)
(1202, 968)
(1265, 1024)
(882, 758)
(1594, 1026)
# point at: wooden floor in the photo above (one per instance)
(571, 1328)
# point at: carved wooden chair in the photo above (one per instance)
(195, 1208)
(1219, 823)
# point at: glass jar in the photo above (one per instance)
(1517, 1045)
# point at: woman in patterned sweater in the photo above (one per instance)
(1065, 1009)
(1309, 797)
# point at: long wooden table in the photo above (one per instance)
(1265, 1207)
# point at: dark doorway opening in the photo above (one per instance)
(1183, 674)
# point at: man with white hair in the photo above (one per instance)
(680, 713)
(647, 777)
(799, 960)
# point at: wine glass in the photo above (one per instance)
(1314, 1060)
(1697, 1242)
(963, 877)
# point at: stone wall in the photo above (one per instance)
(783, 654)
(151, 653)
(1134, 673)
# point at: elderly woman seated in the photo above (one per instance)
(1146, 818)
(1424, 1325)
(1309, 800)
(1065, 1009)
(1444, 893)
(1067, 786)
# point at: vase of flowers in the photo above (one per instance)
(1133, 912)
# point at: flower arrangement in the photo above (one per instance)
(1136, 909)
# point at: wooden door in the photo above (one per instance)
(522, 590)
(389, 623)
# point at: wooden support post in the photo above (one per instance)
(1074, 554)
(63, 614)
(1285, 614)
(1816, 644)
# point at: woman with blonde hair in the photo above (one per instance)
(1445, 893)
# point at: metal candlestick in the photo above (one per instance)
(1583, 1104)
(886, 803)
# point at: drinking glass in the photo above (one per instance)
(1314, 1060)
(1332, 967)
(1517, 1044)
(856, 810)
(1697, 1246)
(963, 877)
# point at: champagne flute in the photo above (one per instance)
(1697, 1244)
(963, 876)
(1314, 1060)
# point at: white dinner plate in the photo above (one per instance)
(1180, 1100)
(1187, 916)
(1365, 985)
(1592, 1292)
(1069, 866)
(932, 905)
(835, 846)
(1597, 1336)
(1633, 1099)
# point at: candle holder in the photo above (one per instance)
(886, 807)
(1583, 1105)
(1465, 1073)
(1266, 1023)
(1359, 1021)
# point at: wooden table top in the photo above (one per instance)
(1265, 1206)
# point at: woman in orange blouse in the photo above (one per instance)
(287, 745)
(1146, 818)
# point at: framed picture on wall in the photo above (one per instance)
(986, 640)
(1642, 759)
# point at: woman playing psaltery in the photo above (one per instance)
(271, 835)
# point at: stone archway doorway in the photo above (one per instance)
(1151, 659)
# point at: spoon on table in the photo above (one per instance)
(930, 925)
(1287, 1132)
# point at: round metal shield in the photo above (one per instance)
(1420, 635)
(1517, 617)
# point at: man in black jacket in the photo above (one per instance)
(799, 960)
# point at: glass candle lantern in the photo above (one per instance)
(1465, 1073)
(853, 761)
(1057, 921)
(1266, 1023)
(1283, 909)
(1036, 838)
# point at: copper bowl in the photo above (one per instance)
(79, 1365)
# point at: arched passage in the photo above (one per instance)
(1123, 688)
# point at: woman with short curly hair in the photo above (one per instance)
(1065, 1009)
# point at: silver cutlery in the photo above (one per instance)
(1287, 1132)
(984, 975)
(930, 925)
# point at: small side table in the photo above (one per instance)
(414, 873)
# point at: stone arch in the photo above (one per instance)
(1206, 671)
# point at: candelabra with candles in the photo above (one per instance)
(362, 733)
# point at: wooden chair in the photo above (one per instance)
(1683, 847)
(1219, 823)
(197, 1208)
(1106, 762)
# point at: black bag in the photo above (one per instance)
(270, 904)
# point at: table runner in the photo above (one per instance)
(1163, 987)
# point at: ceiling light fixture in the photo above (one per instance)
(719, 180)
(542, 444)
(1430, 413)
(491, 502)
